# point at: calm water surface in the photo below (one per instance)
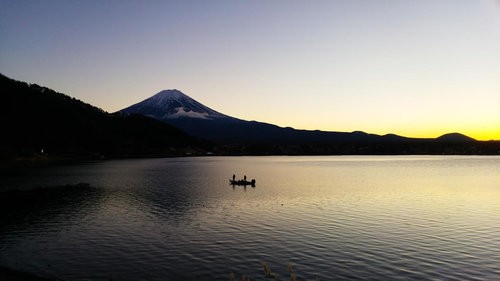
(349, 217)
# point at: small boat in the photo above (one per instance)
(242, 182)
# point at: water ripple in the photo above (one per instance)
(333, 218)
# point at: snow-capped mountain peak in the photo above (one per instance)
(173, 104)
(169, 95)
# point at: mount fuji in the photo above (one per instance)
(180, 110)
(173, 104)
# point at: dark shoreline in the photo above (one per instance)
(38, 160)
(7, 274)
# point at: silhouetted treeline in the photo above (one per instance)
(37, 120)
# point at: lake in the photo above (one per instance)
(331, 217)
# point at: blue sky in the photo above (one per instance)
(415, 68)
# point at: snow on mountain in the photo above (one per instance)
(173, 104)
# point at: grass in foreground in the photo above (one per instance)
(269, 275)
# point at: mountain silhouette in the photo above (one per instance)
(182, 111)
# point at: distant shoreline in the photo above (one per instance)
(38, 160)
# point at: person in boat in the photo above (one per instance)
(234, 177)
(245, 178)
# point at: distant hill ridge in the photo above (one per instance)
(455, 137)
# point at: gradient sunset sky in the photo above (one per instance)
(413, 68)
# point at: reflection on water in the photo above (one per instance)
(407, 217)
(45, 208)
